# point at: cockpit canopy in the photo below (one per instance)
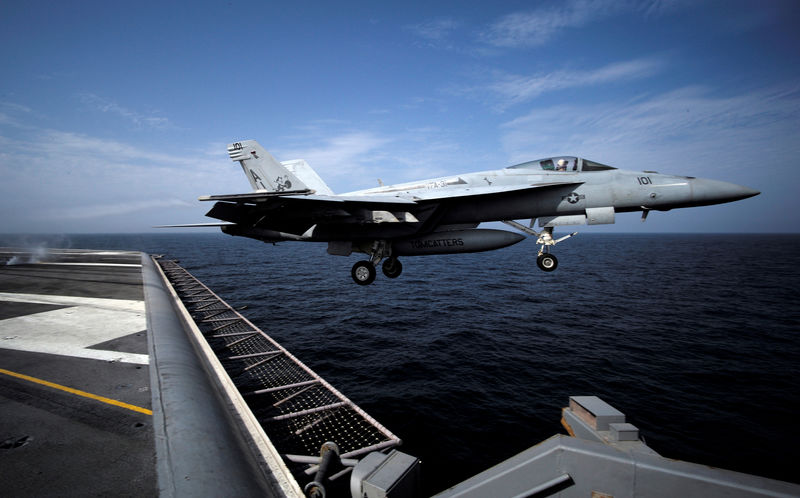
(562, 163)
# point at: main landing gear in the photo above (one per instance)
(364, 272)
(392, 267)
(544, 260)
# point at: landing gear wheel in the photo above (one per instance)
(392, 268)
(363, 273)
(547, 262)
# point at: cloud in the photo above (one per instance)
(56, 181)
(90, 211)
(692, 125)
(69, 145)
(341, 154)
(137, 118)
(537, 27)
(435, 29)
(349, 160)
(14, 115)
(659, 8)
(436, 33)
(544, 24)
(13, 106)
(513, 89)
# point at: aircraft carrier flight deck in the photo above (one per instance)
(74, 376)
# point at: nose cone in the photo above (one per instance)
(705, 192)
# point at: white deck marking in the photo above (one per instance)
(70, 331)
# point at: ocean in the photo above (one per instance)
(469, 358)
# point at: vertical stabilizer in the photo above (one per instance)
(307, 175)
(262, 170)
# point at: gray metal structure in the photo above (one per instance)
(605, 458)
(290, 202)
(203, 429)
(288, 412)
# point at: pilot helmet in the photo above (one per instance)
(563, 163)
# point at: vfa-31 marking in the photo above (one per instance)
(290, 202)
(256, 180)
(282, 184)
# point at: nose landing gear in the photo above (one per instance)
(544, 260)
(547, 262)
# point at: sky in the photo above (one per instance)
(115, 116)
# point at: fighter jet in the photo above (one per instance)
(290, 202)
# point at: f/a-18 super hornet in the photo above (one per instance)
(290, 202)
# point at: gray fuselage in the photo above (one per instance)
(583, 185)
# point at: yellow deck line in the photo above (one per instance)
(77, 392)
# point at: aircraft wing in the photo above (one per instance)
(409, 197)
(293, 212)
(454, 193)
(297, 210)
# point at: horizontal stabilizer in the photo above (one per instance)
(258, 196)
(302, 195)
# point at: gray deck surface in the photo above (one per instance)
(54, 442)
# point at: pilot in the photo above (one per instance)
(562, 165)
